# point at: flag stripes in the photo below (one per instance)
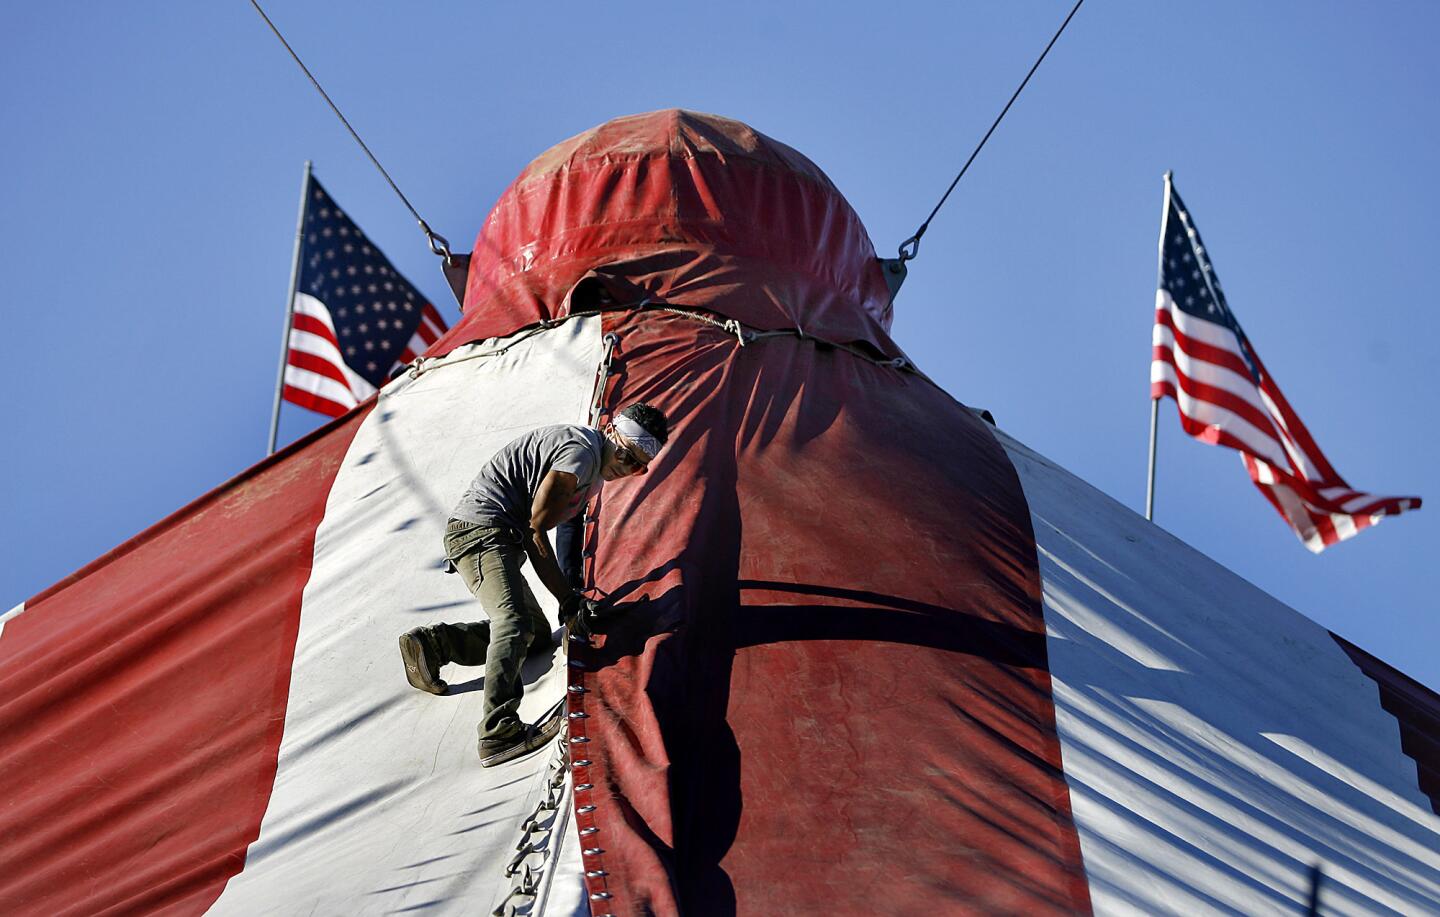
(426, 333)
(1201, 359)
(355, 318)
(316, 376)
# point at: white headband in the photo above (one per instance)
(638, 435)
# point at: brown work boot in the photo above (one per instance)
(421, 652)
(529, 739)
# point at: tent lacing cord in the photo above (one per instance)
(744, 335)
(538, 835)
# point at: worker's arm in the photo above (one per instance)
(552, 500)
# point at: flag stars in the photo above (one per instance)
(384, 345)
(335, 273)
(351, 270)
(327, 232)
(347, 248)
(355, 289)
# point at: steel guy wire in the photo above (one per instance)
(911, 246)
(438, 243)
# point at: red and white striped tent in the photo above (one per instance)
(882, 658)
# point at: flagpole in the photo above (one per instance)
(1154, 401)
(289, 309)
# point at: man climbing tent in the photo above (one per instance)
(530, 486)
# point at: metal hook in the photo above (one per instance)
(438, 243)
(913, 246)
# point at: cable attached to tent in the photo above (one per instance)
(911, 246)
(438, 243)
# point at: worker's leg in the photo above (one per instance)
(468, 644)
(540, 637)
(503, 592)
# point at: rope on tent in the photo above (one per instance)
(542, 833)
(743, 335)
(911, 246)
(438, 243)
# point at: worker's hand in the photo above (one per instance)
(575, 606)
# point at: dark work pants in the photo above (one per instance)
(489, 560)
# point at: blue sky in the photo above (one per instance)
(153, 157)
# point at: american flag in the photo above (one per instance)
(1204, 361)
(356, 319)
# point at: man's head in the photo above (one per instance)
(632, 439)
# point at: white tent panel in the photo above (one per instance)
(380, 805)
(1217, 743)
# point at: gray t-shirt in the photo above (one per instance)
(504, 490)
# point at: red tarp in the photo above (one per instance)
(836, 697)
(142, 699)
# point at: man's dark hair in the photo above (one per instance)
(652, 419)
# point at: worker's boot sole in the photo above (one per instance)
(529, 740)
(417, 664)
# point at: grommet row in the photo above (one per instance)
(586, 832)
(578, 689)
(580, 740)
(582, 762)
(576, 664)
(595, 873)
(599, 896)
(585, 810)
(582, 787)
(592, 851)
(579, 715)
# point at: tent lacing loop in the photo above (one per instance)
(540, 834)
